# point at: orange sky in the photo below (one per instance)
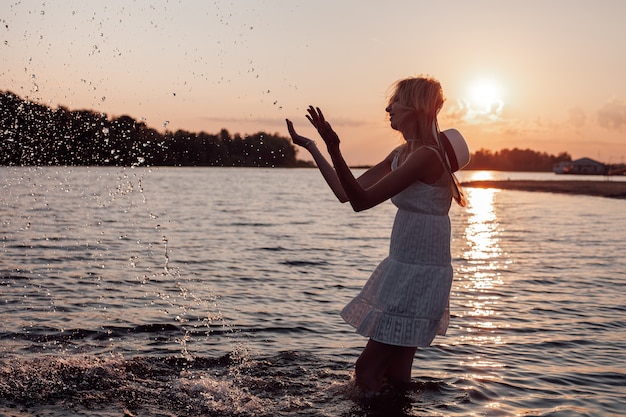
(544, 75)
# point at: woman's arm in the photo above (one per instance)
(418, 165)
(367, 179)
(328, 172)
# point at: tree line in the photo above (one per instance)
(35, 134)
(515, 160)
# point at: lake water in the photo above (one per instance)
(216, 291)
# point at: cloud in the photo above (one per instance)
(472, 113)
(613, 115)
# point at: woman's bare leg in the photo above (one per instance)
(399, 368)
(379, 361)
(369, 370)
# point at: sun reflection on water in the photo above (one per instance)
(481, 274)
(480, 283)
(483, 249)
(480, 176)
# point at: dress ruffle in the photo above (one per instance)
(398, 311)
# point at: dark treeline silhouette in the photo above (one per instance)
(34, 134)
(515, 160)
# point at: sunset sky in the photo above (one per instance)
(546, 75)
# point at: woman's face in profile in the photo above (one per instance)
(398, 113)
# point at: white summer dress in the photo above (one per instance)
(405, 302)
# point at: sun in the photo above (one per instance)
(485, 95)
(483, 101)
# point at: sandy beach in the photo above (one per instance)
(611, 189)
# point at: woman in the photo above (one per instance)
(404, 304)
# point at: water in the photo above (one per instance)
(188, 292)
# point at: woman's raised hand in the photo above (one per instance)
(297, 139)
(316, 117)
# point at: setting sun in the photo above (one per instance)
(485, 94)
(482, 101)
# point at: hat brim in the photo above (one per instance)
(455, 185)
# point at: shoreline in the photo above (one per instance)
(609, 189)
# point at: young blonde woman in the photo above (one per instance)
(404, 304)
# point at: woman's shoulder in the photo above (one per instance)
(398, 149)
(427, 159)
(394, 155)
(418, 153)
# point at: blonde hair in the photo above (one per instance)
(422, 98)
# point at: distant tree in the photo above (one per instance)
(515, 160)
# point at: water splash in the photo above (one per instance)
(231, 385)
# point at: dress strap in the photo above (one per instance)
(437, 151)
(394, 162)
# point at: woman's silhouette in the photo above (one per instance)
(404, 304)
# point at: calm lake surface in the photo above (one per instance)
(216, 291)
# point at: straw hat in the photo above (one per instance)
(457, 156)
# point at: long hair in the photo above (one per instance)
(422, 98)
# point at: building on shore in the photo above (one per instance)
(582, 166)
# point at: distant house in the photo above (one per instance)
(582, 166)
